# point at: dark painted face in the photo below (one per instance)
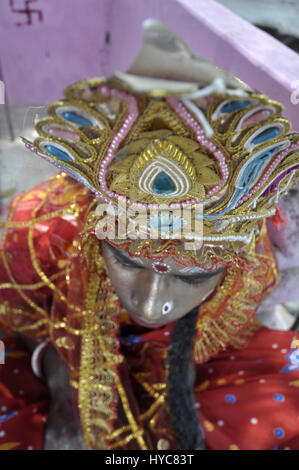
(155, 298)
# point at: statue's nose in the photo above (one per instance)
(150, 297)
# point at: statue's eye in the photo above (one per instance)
(125, 263)
(191, 281)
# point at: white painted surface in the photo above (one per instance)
(280, 14)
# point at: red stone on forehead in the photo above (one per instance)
(162, 268)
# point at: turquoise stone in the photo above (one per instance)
(166, 223)
(268, 134)
(234, 106)
(163, 184)
(76, 119)
(58, 153)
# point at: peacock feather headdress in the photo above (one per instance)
(230, 152)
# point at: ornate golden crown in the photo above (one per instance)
(233, 154)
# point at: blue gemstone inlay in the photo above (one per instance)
(58, 153)
(230, 398)
(234, 106)
(163, 184)
(248, 177)
(131, 340)
(278, 397)
(7, 352)
(166, 222)
(76, 118)
(268, 134)
(7, 416)
(279, 432)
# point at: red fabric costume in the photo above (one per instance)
(247, 396)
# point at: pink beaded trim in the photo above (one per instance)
(118, 138)
(30, 147)
(63, 168)
(268, 172)
(125, 128)
(120, 135)
(200, 136)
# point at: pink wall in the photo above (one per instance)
(63, 41)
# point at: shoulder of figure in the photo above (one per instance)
(48, 218)
(50, 196)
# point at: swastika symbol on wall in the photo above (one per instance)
(26, 10)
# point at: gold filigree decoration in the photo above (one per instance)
(185, 162)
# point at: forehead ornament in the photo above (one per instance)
(161, 268)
